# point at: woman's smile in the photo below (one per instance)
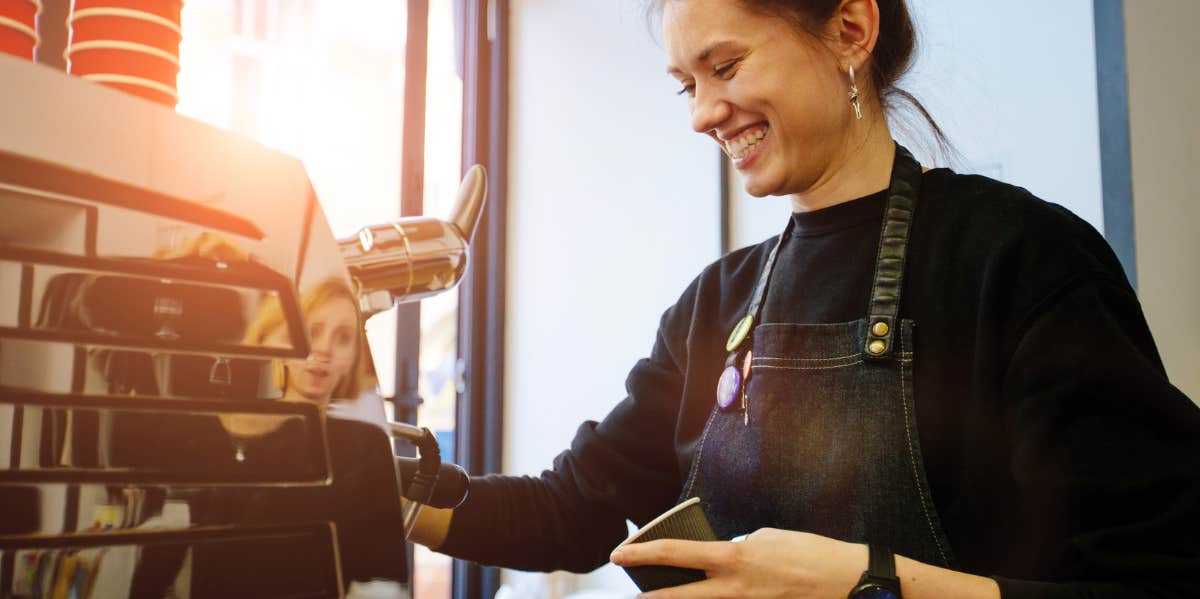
(747, 145)
(317, 373)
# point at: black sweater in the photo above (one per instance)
(1061, 460)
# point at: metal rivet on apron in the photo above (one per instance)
(729, 387)
(876, 347)
(739, 332)
(879, 329)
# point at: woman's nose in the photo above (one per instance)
(322, 344)
(708, 110)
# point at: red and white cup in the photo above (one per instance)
(151, 90)
(128, 58)
(167, 9)
(137, 26)
(18, 27)
(21, 11)
(131, 45)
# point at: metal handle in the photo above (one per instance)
(421, 488)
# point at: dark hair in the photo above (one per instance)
(890, 60)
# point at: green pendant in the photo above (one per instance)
(740, 330)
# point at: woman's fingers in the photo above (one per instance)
(712, 588)
(699, 555)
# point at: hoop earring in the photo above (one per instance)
(854, 96)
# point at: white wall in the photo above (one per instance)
(1164, 91)
(613, 209)
(1013, 85)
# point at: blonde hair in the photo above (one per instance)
(270, 319)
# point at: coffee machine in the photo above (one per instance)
(138, 249)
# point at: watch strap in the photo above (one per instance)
(881, 562)
(880, 574)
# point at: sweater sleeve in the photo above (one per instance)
(573, 515)
(1105, 453)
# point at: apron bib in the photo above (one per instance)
(831, 445)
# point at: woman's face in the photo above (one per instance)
(333, 331)
(769, 95)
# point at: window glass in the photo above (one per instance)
(323, 80)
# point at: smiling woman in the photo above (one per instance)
(930, 384)
(727, 57)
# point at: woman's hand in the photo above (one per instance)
(784, 563)
(769, 563)
(431, 527)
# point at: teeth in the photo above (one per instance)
(739, 147)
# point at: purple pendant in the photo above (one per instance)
(728, 387)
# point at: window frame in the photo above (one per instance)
(481, 329)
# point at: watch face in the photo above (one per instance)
(875, 592)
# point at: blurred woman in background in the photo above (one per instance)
(335, 368)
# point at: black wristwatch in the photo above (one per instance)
(879, 581)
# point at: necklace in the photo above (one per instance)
(736, 376)
(884, 308)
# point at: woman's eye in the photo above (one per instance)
(686, 89)
(725, 69)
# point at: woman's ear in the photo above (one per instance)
(855, 26)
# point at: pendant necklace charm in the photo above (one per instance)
(729, 387)
(734, 378)
(739, 332)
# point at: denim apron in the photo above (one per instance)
(825, 440)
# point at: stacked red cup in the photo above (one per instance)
(130, 45)
(18, 27)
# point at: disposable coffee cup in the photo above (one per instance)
(21, 11)
(685, 521)
(168, 9)
(17, 38)
(115, 56)
(144, 88)
(137, 26)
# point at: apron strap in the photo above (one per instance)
(884, 310)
